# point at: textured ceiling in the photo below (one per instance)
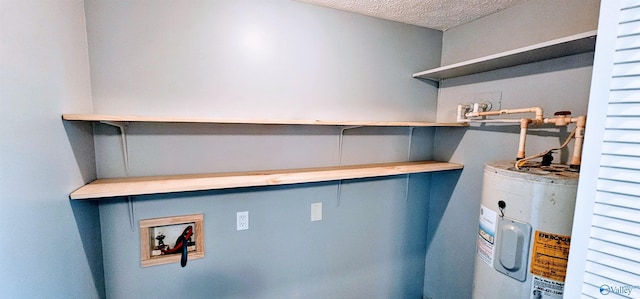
(435, 14)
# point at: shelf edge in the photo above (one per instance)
(132, 118)
(105, 188)
(503, 55)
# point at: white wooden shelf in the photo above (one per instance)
(124, 118)
(102, 188)
(575, 44)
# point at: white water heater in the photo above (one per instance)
(524, 231)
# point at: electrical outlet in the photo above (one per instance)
(242, 220)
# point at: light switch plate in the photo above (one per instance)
(316, 211)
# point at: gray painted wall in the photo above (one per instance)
(559, 84)
(194, 59)
(319, 63)
(523, 25)
(257, 59)
(51, 247)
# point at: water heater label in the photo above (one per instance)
(549, 258)
(550, 255)
(487, 234)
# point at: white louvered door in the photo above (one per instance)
(605, 250)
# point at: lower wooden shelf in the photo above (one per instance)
(103, 188)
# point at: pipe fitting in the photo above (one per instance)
(560, 118)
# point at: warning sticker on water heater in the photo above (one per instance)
(550, 255)
(542, 288)
(486, 234)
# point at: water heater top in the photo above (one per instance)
(533, 171)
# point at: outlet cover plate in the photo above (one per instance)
(242, 220)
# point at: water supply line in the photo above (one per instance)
(524, 125)
(522, 161)
(476, 113)
(564, 118)
(537, 110)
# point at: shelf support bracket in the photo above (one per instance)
(122, 126)
(131, 214)
(406, 192)
(123, 135)
(340, 142)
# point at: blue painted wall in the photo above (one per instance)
(51, 247)
(265, 59)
